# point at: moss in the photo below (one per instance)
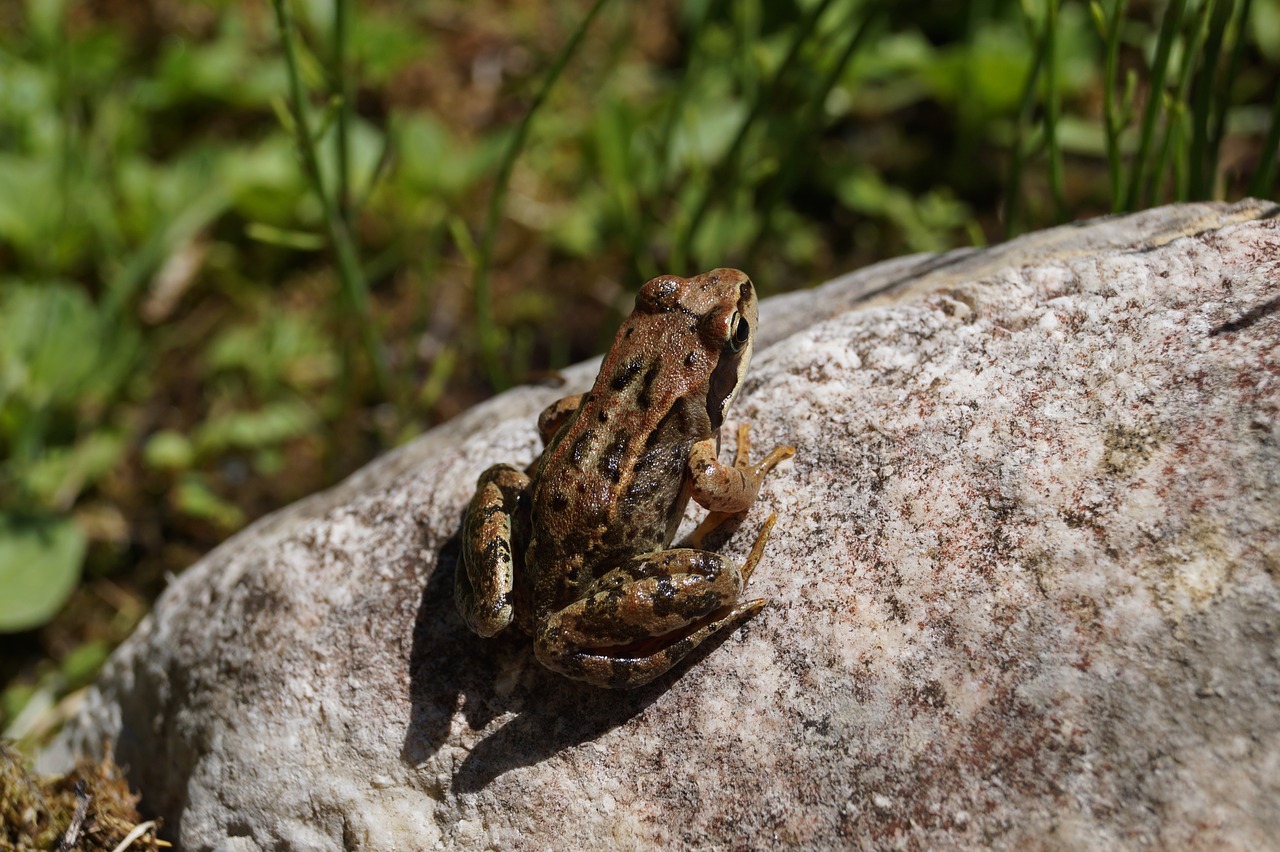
(90, 808)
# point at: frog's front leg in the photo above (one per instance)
(722, 488)
(637, 621)
(494, 535)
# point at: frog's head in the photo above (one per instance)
(717, 316)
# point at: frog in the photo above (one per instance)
(575, 550)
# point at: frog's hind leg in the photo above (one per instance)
(493, 536)
(625, 671)
(637, 622)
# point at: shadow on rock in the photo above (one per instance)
(452, 670)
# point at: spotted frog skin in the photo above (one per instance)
(575, 550)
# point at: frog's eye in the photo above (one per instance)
(739, 332)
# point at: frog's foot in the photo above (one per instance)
(637, 622)
(492, 534)
(729, 490)
(742, 455)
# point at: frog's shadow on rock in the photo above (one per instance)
(451, 668)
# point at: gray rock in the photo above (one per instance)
(1023, 589)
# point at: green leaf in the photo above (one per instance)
(925, 220)
(168, 450)
(1099, 18)
(268, 426)
(1266, 29)
(281, 349)
(195, 498)
(15, 697)
(83, 663)
(54, 349)
(432, 162)
(40, 559)
(284, 237)
(45, 18)
(57, 476)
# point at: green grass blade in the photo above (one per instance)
(1052, 109)
(1138, 170)
(723, 171)
(489, 336)
(1201, 174)
(811, 120)
(1223, 99)
(342, 90)
(1111, 112)
(1262, 185)
(1174, 145)
(1017, 153)
(354, 286)
(675, 110)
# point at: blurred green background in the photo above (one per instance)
(247, 245)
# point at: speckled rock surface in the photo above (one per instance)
(1025, 589)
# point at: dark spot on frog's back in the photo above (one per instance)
(645, 398)
(627, 374)
(579, 449)
(559, 501)
(610, 465)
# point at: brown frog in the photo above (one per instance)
(575, 550)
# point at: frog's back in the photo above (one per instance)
(613, 483)
(600, 490)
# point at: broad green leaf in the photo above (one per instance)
(53, 349)
(40, 559)
(432, 161)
